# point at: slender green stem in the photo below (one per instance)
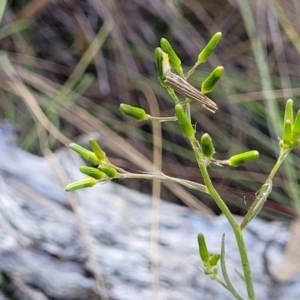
(172, 94)
(163, 119)
(229, 285)
(187, 183)
(223, 207)
(191, 71)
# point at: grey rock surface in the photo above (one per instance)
(44, 254)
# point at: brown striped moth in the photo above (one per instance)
(182, 87)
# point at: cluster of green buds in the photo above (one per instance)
(209, 261)
(171, 76)
(291, 129)
(101, 171)
(169, 65)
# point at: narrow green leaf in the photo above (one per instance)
(229, 286)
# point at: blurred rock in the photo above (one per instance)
(43, 252)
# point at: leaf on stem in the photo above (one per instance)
(229, 286)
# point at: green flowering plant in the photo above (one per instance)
(172, 77)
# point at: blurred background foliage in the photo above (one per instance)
(65, 67)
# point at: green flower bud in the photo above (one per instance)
(92, 172)
(296, 128)
(209, 48)
(288, 113)
(80, 184)
(204, 255)
(109, 171)
(214, 259)
(238, 159)
(86, 154)
(159, 65)
(210, 81)
(184, 122)
(287, 136)
(136, 113)
(207, 146)
(287, 133)
(174, 60)
(97, 150)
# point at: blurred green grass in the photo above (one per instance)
(79, 61)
